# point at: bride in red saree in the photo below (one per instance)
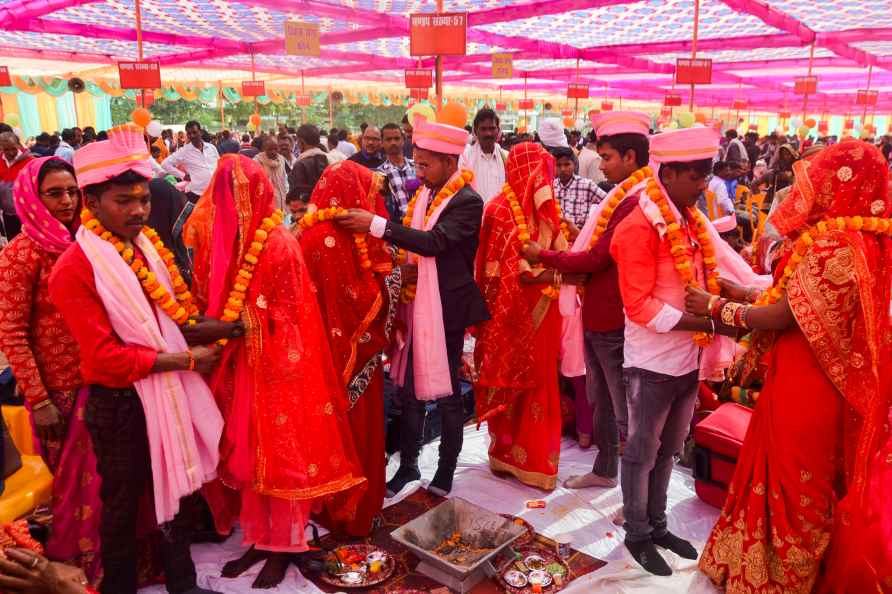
(285, 446)
(804, 512)
(517, 350)
(358, 307)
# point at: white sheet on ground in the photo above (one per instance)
(586, 515)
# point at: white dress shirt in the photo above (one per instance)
(590, 165)
(346, 148)
(489, 170)
(198, 164)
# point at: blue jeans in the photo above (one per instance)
(660, 411)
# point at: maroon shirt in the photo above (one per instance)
(602, 306)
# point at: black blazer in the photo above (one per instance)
(453, 241)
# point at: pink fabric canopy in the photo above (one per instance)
(625, 49)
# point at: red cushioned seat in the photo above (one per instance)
(717, 442)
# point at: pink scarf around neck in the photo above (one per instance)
(182, 420)
(424, 320)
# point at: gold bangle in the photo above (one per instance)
(42, 404)
(712, 301)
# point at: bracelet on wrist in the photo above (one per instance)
(191, 360)
(41, 404)
(715, 308)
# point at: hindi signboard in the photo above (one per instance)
(438, 34)
(5, 78)
(302, 100)
(805, 85)
(502, 66)
(577, 91)
(419, 78)
(301, 39)
(146, 98)
(672, 100)
(525, 104)
(418, 94)
(607, 106)
(139, 75)
(253, 88)
(696, 71)
(866, 97)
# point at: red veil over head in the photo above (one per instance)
(506, 346)
(840, 296)
(353, 300)
(286, 434)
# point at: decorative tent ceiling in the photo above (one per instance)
(623, 48)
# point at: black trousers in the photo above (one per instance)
(451, 410)
(117, 426)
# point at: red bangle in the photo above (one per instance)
(191, 360)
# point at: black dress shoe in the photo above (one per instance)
(442, 483)
(677, 545)
(645, 553)
(403, 477)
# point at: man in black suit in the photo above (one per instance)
(452, 242)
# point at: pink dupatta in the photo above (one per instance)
(182, 419)
(424, 320)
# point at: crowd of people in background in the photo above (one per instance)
(521, 229)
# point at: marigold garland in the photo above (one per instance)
(237, 295)
(178, 307)
(876, 225)
(523, 232)
(681, 252)
(447, 191)
(327, 214)
(618, 196)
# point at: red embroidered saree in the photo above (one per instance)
(285, 445)
(517, 349)
(358, 306)
(803, 512)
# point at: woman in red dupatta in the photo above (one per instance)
(285, 445)
(358, 307)
(802, 514)
(517, 350)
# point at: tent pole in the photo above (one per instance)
(811, 59)
(222, 113)
(138, 8)
(439, 65)
(694, 44)
(869, 76)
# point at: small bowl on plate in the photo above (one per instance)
(534, 563)
(515, 578)
(540, 577)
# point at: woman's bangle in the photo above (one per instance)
(716, 307)
(752, 295)
(712, 328)
(712, 301)
(191, 360)
(41, 404)
(734, 314)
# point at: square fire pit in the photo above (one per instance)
(483, 536)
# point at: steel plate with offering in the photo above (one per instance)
(540, 570)
(357, 566)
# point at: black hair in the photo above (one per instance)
(258, 142)
(485, 114)
(298, 197)
(43, 137)
(406, 119)
(623, 143)
(246, 138)
(5, 128)
(155, 149)
(342, 135)
(391, 126)
(363, 126)
(731, 133)
(562, 152)
(192, 124)
(720, 166)
(225, 134)
(53, 165)
(128, 178)
(701, 167)
(309, 134)
(68, 134)
(102, 135)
